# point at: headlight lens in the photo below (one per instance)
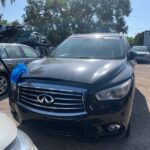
(22, 142)
(116, 92)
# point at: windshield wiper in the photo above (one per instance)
(86, 57)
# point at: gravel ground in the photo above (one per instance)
(140, 128)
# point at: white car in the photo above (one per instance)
(12, 138)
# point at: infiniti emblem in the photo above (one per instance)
(45, 99)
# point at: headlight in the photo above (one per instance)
(22, 142)
(116, 92)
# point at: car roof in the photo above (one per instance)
(96, 35)
(10, 44)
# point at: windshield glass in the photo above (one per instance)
(97, 48)
(140, 48)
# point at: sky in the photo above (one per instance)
(138, 21)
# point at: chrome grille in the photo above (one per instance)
(65, 101)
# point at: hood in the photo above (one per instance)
(8, 131)
(76, 70)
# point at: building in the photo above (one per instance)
(147, 39)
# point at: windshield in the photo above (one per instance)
(140, 48)
(97, 48)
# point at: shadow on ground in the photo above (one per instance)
(143, 63)
(139, 139)
(3, 97)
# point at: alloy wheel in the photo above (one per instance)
(3, 84)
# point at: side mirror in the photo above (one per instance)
(51, 49)
(131, 55)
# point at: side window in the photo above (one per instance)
(4, 54)
(29, 52)
(13, 51)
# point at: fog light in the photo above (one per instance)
(113, 127)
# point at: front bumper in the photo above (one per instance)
(88, 125)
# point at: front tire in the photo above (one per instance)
(4, 84)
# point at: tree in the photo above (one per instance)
(60, 18)
(15, 23)
(3, 2)
(2, 21)
(5, 22)
(131, 41)
(139, 39)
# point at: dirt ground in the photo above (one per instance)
(140, 129)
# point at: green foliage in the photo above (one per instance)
(131, 41)
(15, 23)
(2, 21)
(59, 18)
(139, 39)
(5, 22)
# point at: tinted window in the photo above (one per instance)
(99, 48)
(13, 51)
(4, 54)
(29, 52)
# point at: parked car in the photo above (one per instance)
(142, 53)
(11, 55)
(12, 138)
(85, 89)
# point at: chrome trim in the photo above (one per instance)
(28, 94)
(47, 107)
(52, 87)
(30, 99)
(71, 104)
(71, 99)
(53, 114)
(55, 98)
(63, 104)
(83, 101)
(48, 92)
(26, 89)
(66, 99)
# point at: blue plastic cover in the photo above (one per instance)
(17, 72)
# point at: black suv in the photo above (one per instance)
(85, 89)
